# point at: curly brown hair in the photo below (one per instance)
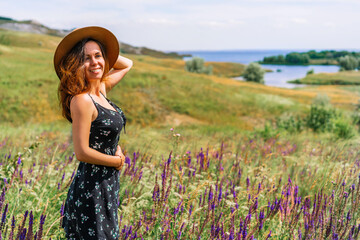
(72, 75)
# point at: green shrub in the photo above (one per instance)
(196, 65)
(356, 115)
(311, 71)
(254, 73)
(321, 100)
(267, 132)
(290, 123)
(348, 62)
(320, 118)
(343, 129)
(4, 40)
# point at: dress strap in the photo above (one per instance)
(92, 99)
(103, 95)
(95, 103)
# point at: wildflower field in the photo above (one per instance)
(245, 161)
(239, 188)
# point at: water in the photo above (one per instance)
(238, 56)
(281, 73)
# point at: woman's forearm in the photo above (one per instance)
(122, 63)
(92, 156)
(120, 68)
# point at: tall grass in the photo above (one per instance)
(234, 187)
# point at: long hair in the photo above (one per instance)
(72, 75)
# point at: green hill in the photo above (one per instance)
(156, 91)
(32, 26)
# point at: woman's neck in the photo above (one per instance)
(95, 87)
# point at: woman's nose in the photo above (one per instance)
(93, 60)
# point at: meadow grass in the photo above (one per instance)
(154, 90)
(199, 161)
(339, 78)
(209, 185)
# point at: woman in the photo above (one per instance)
(82, 61)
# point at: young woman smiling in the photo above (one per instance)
(88, 64)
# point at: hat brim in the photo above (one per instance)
(100, 34)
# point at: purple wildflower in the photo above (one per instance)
(62, 210)
(220, 194)
(269, 235)
(3, 218)
(190, 210)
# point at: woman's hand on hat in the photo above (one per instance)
(120, 154)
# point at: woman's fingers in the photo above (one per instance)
(122, 157)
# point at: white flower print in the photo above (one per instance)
(108, 151)
(109, 205)
(109, 187)
(104, 133)
(96, 145)
(98, 208)
(106, 122)
(83, 218)
(78, 203)
(95, 169)
(91, 232)
(88, 195)
(113, 233)
(102, 217)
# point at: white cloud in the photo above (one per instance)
(299, 20)
(330, 24)
(163, 21)
(190, 24)
(211, 23)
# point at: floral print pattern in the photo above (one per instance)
(91, 206)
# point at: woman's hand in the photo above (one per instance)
(122, 157)
(120, 68)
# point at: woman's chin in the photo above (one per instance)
(95, 78)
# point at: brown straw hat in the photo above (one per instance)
(100, 34)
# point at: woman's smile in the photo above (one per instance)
(94, 61)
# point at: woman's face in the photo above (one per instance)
(94, 61)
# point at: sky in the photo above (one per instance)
(184, 25)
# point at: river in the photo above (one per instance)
(280, 73)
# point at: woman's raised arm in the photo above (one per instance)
(120, 68)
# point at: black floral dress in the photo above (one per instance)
(90, 210)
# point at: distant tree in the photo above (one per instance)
(348, 63)
(274, 59)
(254, 73)
(297, 58)
(196, 65)
(281, 59)
(311, 71)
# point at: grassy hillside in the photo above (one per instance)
(156, 92)
(339, 78)
(220, 167)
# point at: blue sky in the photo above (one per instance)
(205, 24)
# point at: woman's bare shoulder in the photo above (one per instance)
(81, 102)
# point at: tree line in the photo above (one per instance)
(305, 57)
